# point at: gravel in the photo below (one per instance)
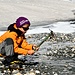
(56, 56)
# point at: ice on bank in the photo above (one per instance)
(61, 27)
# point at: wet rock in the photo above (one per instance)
(31, 72)
(29, 36)
(15, 72)
(37, 71)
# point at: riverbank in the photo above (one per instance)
(56, 56)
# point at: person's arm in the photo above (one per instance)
(25, 45)
(18, 50)
(30, 47)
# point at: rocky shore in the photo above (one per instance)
(56, 56)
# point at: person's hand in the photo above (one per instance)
(35, 47)
(30, 52)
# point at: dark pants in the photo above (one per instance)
(7, 48)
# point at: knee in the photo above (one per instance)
(9, 41)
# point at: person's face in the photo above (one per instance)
(24, 28)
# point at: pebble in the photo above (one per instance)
(1, 58)
(15, 71)
(30, 73)
(37, 71)
(54, 73)
(29, 36)
(17, 74)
